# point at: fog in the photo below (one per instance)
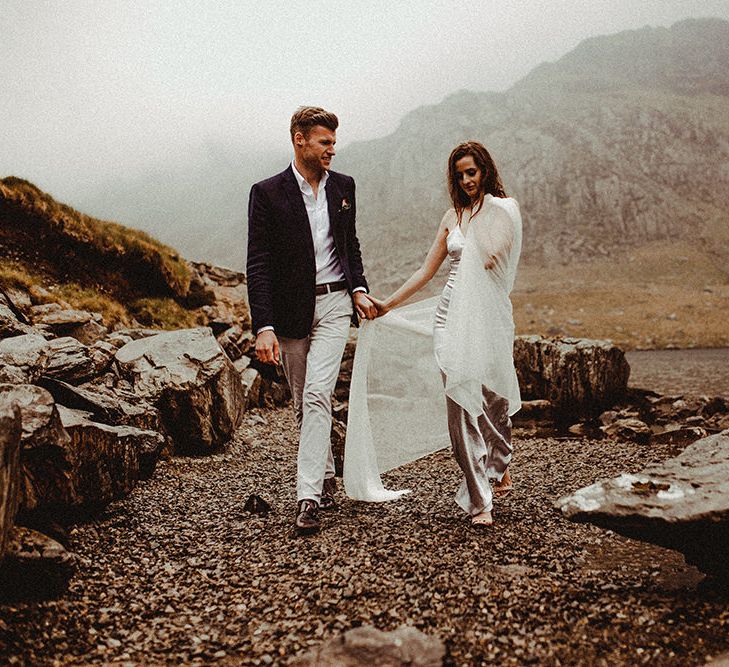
(130, 109)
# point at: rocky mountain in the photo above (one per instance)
(623, 141)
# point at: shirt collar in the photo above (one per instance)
(303, 184)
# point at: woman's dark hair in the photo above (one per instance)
(490, 179)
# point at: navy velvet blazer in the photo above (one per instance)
(281, 269)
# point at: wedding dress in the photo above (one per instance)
(463, 339)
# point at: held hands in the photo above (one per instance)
(382, 308)
(267, 348)
(364, 305)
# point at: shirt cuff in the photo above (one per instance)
(359, 289)
(262, 329)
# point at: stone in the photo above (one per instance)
(109, 405)
(118, 339)
(102, 356)
(108, 460)
(679, 435)
(88, 333)
(274, 393)
(19, 301)
(250, 380)
(60, 318)
(532, 411)
(193, 383)
(681, 504)
(367, 646)
(36, 567)
(242, 363)
(11, 323)
(46, 483)
(225, 293)
(579, 377)
(11, 428)
(69, 360)
(229, 340)
(628, 428)
(23, 359)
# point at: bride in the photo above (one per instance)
(472, 331)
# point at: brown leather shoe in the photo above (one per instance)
(328, 501)
(307, 520)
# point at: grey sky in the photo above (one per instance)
(94, 88)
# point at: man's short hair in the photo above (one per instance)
(307, 117)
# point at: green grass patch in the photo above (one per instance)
(163, 313)
(107, 238)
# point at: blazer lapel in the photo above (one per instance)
(298, 210)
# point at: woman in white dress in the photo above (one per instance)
(470, 344)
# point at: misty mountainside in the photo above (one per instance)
(623, 141)
(197, 203)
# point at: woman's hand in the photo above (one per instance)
(491, 262)
(381, 306)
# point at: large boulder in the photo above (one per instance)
(23, 358)
(682, 504)
(580, 377)
(10, 431)
(188, 376)
(46, 459)
(86, 327)
(70, 360)
(108, 460)
(367, 646)
(36, 566)
(109, 405)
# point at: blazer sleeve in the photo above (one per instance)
(353, 251)
(258, 266)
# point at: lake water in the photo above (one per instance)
(704, 371)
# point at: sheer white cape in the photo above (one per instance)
(396, 405)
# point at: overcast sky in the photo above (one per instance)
(93, 88)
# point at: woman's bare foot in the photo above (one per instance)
(482, 520)
(504, 487)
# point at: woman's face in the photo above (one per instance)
(469, 176)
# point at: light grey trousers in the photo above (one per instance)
(482, 447)
(311, 366)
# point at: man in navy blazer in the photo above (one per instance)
(305, 285)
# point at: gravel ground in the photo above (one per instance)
(179, 573)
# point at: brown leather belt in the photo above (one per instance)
(326, 288)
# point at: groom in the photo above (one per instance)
(305, 283)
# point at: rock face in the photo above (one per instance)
(108, 460)
(11, 323)
(366, 646)
(10, 431)
(69, 360)
(45, 458)
(23, 358)
(188, 376)
(578, 377)
(682, 504)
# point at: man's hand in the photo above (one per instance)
(365, 308)
(267, 349)
(382, 308)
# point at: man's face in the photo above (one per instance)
(317, 150)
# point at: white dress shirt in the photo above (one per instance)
(328, 268)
